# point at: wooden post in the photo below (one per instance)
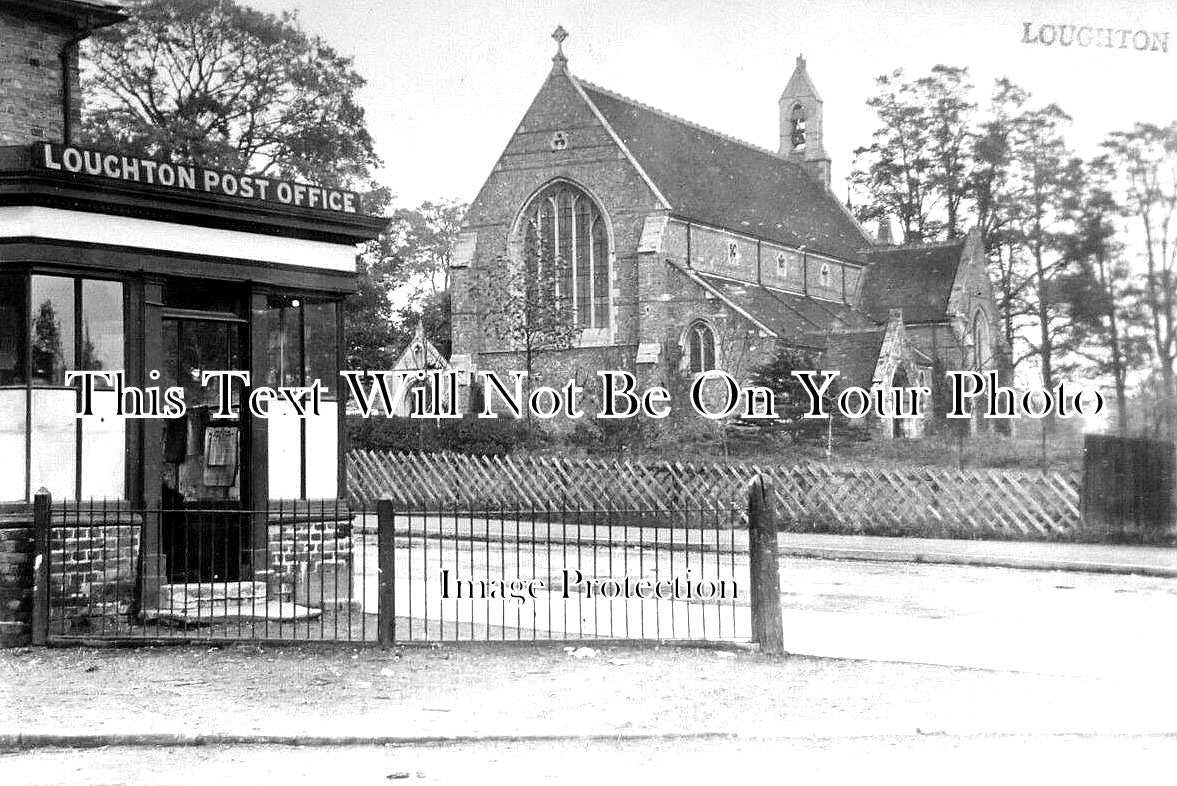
(763, 569)
(42, 519)
(386, 562)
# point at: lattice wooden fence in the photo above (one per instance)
(810, 497)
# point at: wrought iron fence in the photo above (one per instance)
(525, 572)
(296, 571)
(332, 571)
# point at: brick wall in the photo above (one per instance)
(310, 560)
(30, 80)
(16, 575)
(92, 567)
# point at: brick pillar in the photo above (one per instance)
(16, 575)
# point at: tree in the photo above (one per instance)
(946, 92)
(372, 335)
(792, 401)
(521, 305)
(1146, 158)
(424, 238)
(1046, 175)
(917, 166)
(217, 83)
(998, 205)
(434, 313)
(1099, 287)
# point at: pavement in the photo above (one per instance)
(916, 649)
(1121, 559)
(1158, 561)
(336, 696)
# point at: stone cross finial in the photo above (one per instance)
(560, 61)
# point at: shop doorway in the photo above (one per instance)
(205, 535)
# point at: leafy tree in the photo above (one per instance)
(1146, 158)
(373, 336)
(521, 305)
(219, 83)
(946, 92)
(791, 400)
(424, 238)
(1045, 177)
(998, 205)
(917, 166)
(434, 314)
(1099, 285)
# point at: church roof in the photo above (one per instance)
(799, 83)
(797, 319)
(856, 354)
(720, 181)
(915, 278)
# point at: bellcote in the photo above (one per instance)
(801, 125)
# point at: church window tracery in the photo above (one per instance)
(571, 232)
(700, 347)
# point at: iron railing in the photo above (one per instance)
(333, 571)
(524, 572)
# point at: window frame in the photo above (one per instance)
(544, 205)
(696, 330)
(73, 362)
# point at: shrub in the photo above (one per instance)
(472, 435)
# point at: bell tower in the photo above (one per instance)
(801, 125)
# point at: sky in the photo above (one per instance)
(449, 81)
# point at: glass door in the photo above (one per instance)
(204, 464)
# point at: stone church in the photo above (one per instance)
(680, 249)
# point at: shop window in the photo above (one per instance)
(52, 344)
(102, 326)
(303, 347)
(12, 321)
(50, 325)
(700, 347)
(320, 341)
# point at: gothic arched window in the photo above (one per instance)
(568, 230)
(700, 347)
(798, 120)
(980, 340)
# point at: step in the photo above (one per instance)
(181, 595)
(212, 611)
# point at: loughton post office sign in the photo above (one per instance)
(187, 177)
